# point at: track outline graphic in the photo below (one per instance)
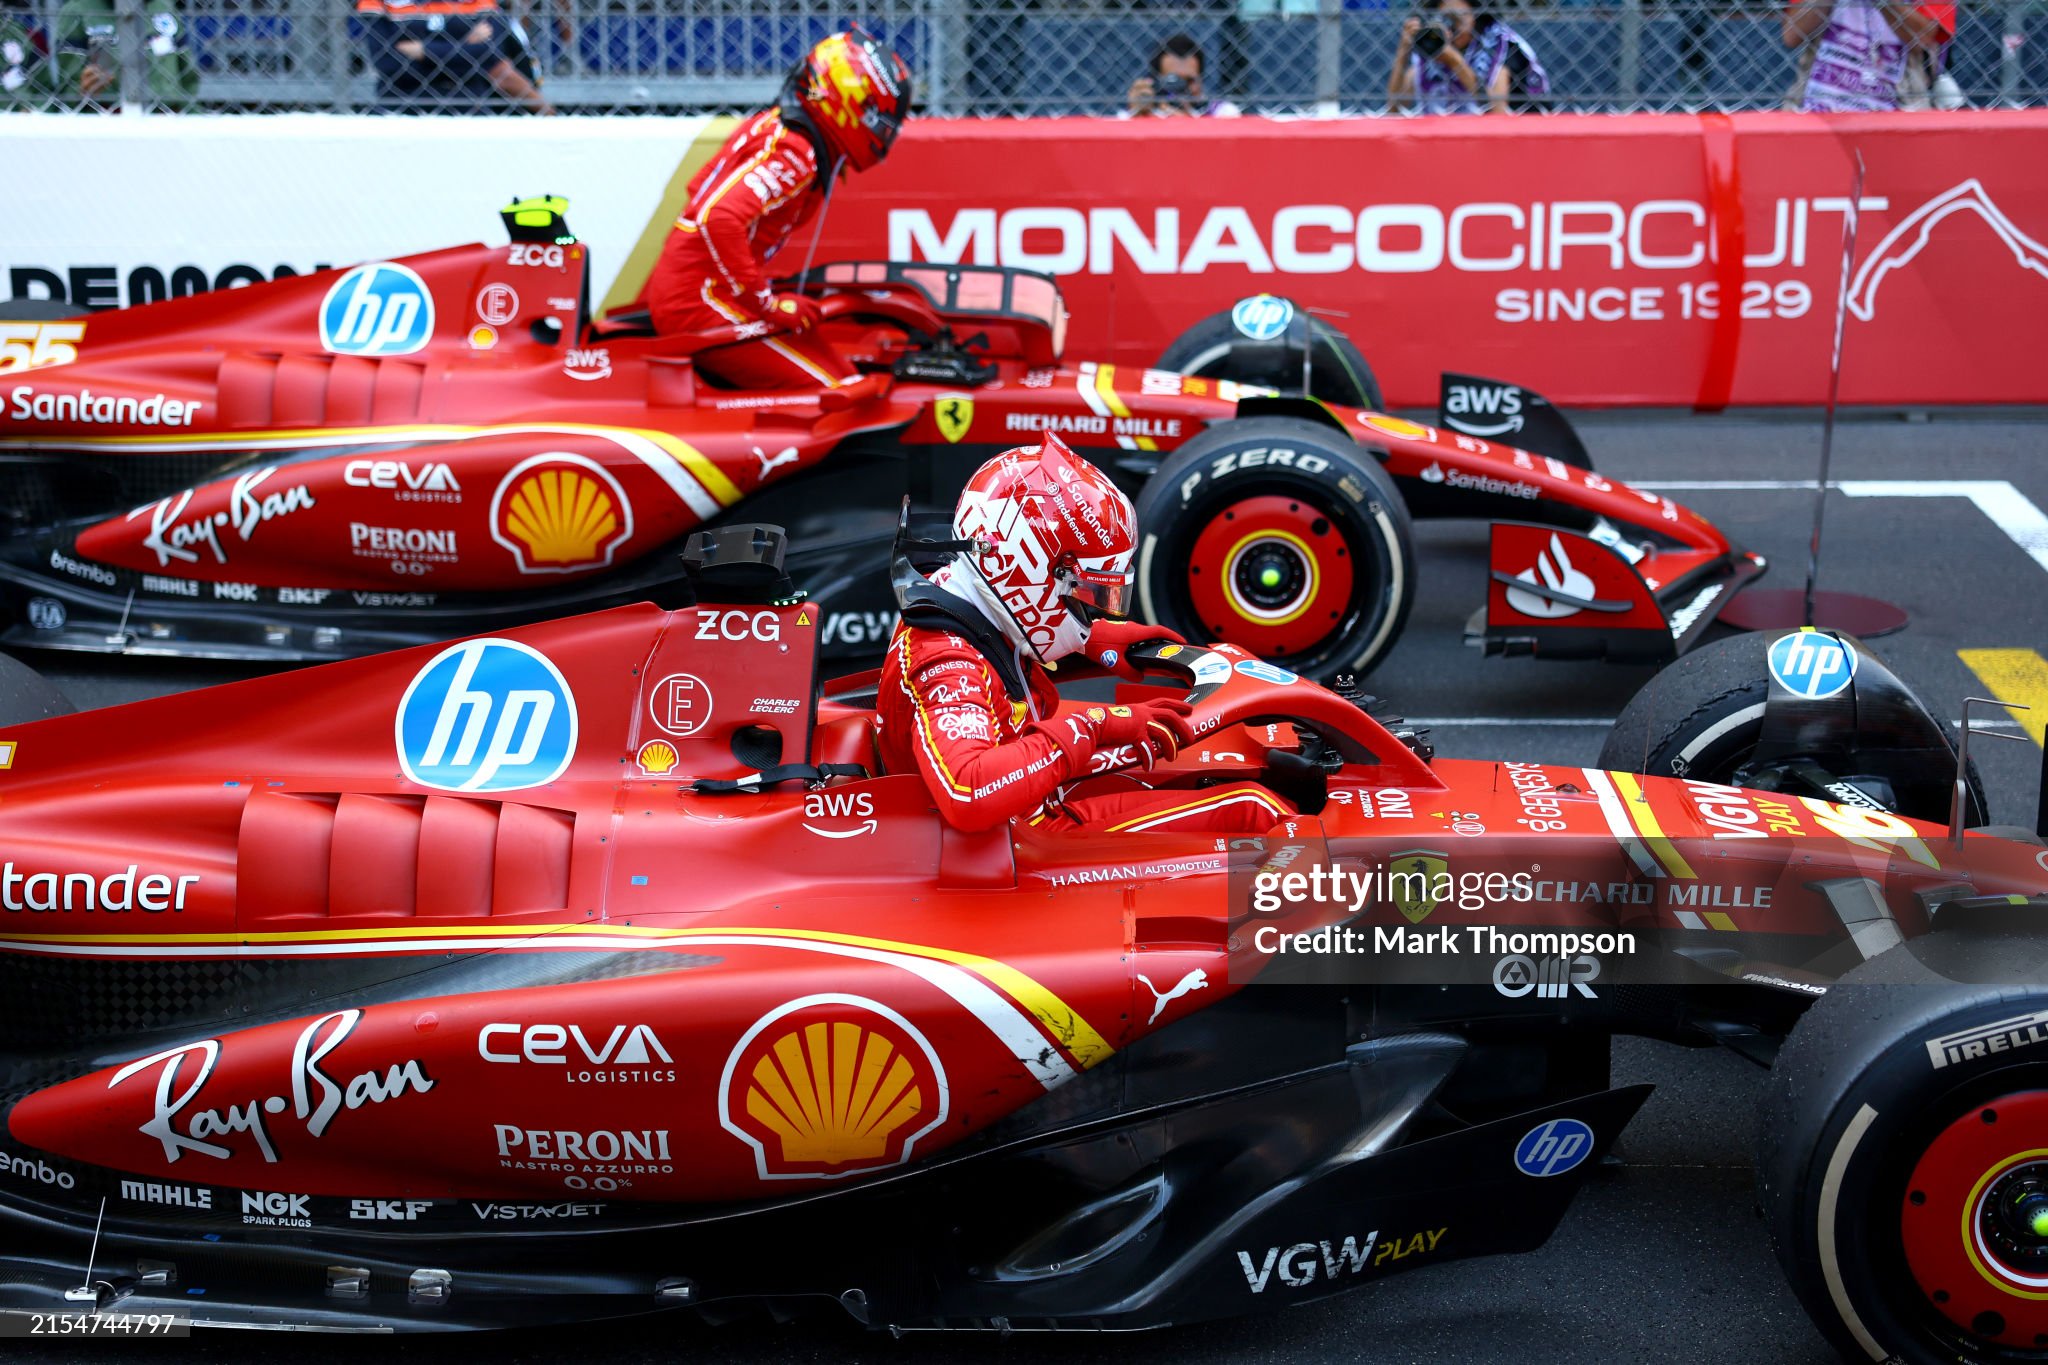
(1970, 194)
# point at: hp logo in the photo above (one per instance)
(486, 716)
(1262, 316)
(381, 309)
(1553, 1148)
(1809, 664)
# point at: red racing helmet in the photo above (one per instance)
(1056, 540)
(855, 91)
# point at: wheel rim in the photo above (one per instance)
(1271, 573)
(1974, 1222)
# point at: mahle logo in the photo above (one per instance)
(486, 716)
(377, 310)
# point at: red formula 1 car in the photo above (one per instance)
(591, 968)
(410, 450)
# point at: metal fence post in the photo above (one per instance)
(132, 35)
(1629, 64)
(333, 25)
(942, 48)
(1329, 50)
(2015, 38)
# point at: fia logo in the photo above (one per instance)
(1811, 665)
(379, 309)
(486, 716)
(1553, 1148)
(1261, 317)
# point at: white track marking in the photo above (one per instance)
(2010, 510)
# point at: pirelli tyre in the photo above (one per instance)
(1281, 536)
(1903, 1153)
(1702, 718)
(1253, 343)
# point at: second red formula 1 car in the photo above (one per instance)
(594, 968)
(414, 449)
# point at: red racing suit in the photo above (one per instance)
(942, 711)
(744, 204)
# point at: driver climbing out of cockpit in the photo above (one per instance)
(966, 696)
(840, 111)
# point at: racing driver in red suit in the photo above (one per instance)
(841, 109)
(974, 709)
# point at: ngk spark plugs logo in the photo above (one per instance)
(831, 1085)
(1791, 244)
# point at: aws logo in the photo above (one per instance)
(1909, 237)
(830, 1086)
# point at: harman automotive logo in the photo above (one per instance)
(486, 716)
(377, 310)
(1810, 665)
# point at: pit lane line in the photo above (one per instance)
(2010, 510)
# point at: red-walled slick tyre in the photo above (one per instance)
(1281, 536)
(1903, 1157)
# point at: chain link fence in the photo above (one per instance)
(972, 57)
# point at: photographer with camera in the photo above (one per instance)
(1173, 84)
(1454, 60)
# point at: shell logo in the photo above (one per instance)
(656, 757)
(829, 1086)
(560, 513)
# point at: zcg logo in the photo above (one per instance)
(486, 716)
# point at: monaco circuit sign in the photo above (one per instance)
(1660, 259)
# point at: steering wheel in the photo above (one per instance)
(1227, 686)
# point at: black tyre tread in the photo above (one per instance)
(1162, 483)
(1673, 702)
(1218, 328)
(1865, 1015)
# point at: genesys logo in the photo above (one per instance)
(1796, 233)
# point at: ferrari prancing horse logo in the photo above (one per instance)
(954, 413)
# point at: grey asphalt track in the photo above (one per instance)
(1663, 1258)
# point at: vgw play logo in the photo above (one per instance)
(486, 716)
(376, 310)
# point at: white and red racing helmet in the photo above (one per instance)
(1056, 544)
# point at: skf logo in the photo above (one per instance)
(388, 1210)
(954, 414)
(38, 345)
(829, 1086)
(560, 513)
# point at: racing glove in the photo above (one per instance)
(794, 312)
(1156, 729)
(1110, 642)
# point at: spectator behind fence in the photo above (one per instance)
(25, 71)
(1856, 51)
(1172, 84)
(449, 56)
(89, 56)
(1453, 60)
